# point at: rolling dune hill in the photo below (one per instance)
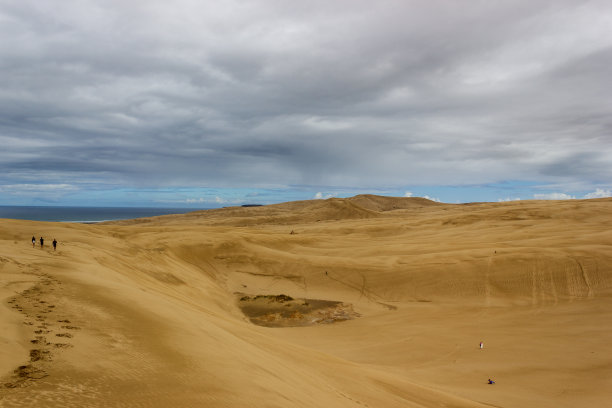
(155, 312)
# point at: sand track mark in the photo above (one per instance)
(343, 395)
(585, 278)
(36, 305)
(363, 290)
(298, 280)
(487, 287)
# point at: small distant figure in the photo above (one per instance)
(481, 345)
(292, 232)
(54, 244)
(33, 241)
(325, 272)
(491, 381)
(42, 242)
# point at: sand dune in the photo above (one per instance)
(148, 313)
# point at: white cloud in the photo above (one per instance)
(599, 193)
(37, 187)
(554, 196)
(45, 192)
(210, 200)
(195, 200)
(432, 198)
(508, 199)
(321, 196)
(408, 194)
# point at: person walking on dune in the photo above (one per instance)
(54, 244)
(42, 242)
(33, 241)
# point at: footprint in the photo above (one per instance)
(38, 354)
(29, 371)
(63, 345)
(71, 327)
(64, 335)
(23, 371)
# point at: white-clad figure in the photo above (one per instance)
(481, 345)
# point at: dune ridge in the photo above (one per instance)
(154, 318)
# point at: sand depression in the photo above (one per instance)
(148, 312)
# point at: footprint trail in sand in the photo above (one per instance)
(50, 330)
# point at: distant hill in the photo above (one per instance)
(300, 212)
(383, 203)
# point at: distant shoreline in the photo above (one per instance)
(86, 215)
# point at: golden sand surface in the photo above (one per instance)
(147, 313)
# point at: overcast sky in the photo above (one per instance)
(205, 103)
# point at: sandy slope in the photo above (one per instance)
(144, 312)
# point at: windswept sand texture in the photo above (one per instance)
(147, 312)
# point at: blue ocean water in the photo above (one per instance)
(85, 214)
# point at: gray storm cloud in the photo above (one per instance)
(345, 93)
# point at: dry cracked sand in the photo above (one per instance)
(361, 302)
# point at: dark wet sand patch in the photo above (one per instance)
(285, 311)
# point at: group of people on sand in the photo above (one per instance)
(42, 242)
